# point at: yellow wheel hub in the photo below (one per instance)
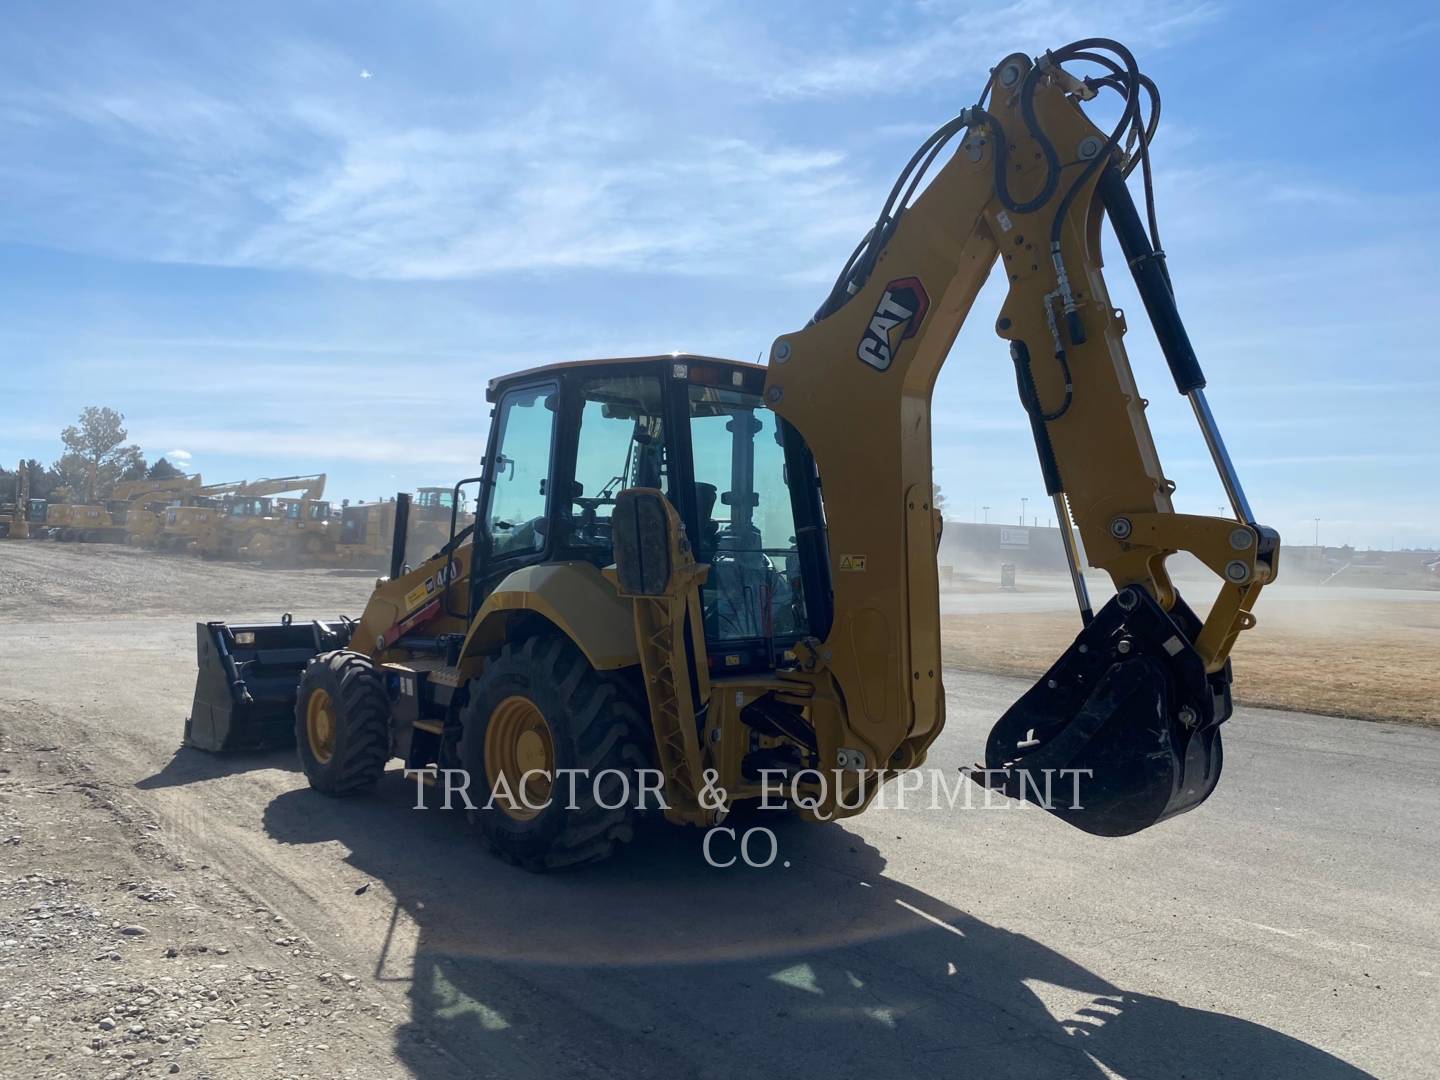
(520, 749)
(320, 725)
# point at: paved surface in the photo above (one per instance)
(1288, 928)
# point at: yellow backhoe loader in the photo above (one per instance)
(656, 578)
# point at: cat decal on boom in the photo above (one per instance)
(897, 317)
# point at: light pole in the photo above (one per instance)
(987, 514)
(1317, 534)
(1023, 501)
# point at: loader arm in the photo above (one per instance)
(1028, 187)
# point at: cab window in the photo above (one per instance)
(518, 512)
(746, 522)
(621, 445)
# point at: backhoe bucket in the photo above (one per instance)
(245, 689)
(1124, 730)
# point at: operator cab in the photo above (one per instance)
(436, 499)
(309, 510)
(566, 439)
(248, 507)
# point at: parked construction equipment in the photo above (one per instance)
(17, 516)
(656, 577)
(237, 519)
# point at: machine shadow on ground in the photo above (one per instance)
(656, 964)
(189, 766)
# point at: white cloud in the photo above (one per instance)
(181, 457)
(898, 52)
(573, 181)
(278, 170)
(313, 449)
(563, 186)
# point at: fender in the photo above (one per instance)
(572, 595)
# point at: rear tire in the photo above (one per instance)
(342, 723)
(591, 722)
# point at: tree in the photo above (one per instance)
(937, 498)
(163, 470)
(42, 480)
(96, 454)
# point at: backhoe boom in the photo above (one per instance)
(1028, 188)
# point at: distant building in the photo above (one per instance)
(970, 547)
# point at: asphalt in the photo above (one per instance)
(1290, 927)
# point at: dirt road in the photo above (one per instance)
(1288, 928)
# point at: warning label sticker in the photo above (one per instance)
(852, 562)
(418, 595)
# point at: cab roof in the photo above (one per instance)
(501, 381)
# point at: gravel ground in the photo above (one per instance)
(125, 956)
(53, 582)
(1287, 928)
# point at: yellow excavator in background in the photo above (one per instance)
(136, 507)
(17, 515)
(57, 515)
(128, 514)
(657, 578)
(144, 503)
(184, 520)
(237, 519)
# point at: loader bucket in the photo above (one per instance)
(1130, 709)
(245, 688)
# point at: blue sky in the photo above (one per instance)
(212, 221)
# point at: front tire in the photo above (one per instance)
(342, 723)
(541, 706)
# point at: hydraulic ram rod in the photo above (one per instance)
(1148, 267)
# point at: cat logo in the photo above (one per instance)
(898, 316)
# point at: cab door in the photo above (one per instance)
(513, 528)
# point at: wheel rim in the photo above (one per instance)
(320, 725)
(518, 742)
